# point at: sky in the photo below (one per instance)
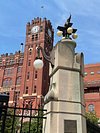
(14, 15)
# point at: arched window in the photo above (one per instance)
(18, 81)
(8, 71)
(91, 108)
(28, 75)
(29, 62)
(36, 37)
(26, 90)
(35, 76)
(34, 89)
(32, 37)
(7, 82)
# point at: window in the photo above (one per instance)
(85, 74)
(28, 75)
(11, 61)
(0, 62)
(18, 81)
(19, 70)
(41, 28)
(3, 61)
(32, 37)
(35, 74)
(98, 72)
(91, 108)
(92, 73)
(26, 90)
(8, 71)
(16, 60)
(29, 62)
(7, 82)
(17, 94)
(7, 62)
(30, 51)
(36, 37)
(34, 89)
(21, 60)
(91, 90)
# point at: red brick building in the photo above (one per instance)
(92, 88)
(18, 77)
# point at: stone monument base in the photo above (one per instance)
(59, 121)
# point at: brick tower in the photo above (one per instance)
(34, 84)
(18, 77)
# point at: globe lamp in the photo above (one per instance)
(59, 33)
(38, 64)
(70, 30)
(74, 36)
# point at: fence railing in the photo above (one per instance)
(20, 119)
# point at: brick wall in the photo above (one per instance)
(92, 87)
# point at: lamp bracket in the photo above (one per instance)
(48, 58)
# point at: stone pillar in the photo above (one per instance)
(65, 100)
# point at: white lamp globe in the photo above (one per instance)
(63, 38)
(70, 30)
(74, 36)
(59, 33)
(38, 64)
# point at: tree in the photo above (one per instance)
(92, 123)
(34, 126)
(91, 116)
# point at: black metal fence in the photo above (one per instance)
(92, 128)
(26, 119)
(20, 119)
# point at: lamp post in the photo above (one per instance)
(64, 101)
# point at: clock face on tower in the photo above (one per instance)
(35, 29)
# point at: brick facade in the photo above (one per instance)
(18, 77)
(92, 88)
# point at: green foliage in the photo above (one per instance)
(91, 116)
(35, 126)
(9, 121)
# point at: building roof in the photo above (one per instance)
(92, 65)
